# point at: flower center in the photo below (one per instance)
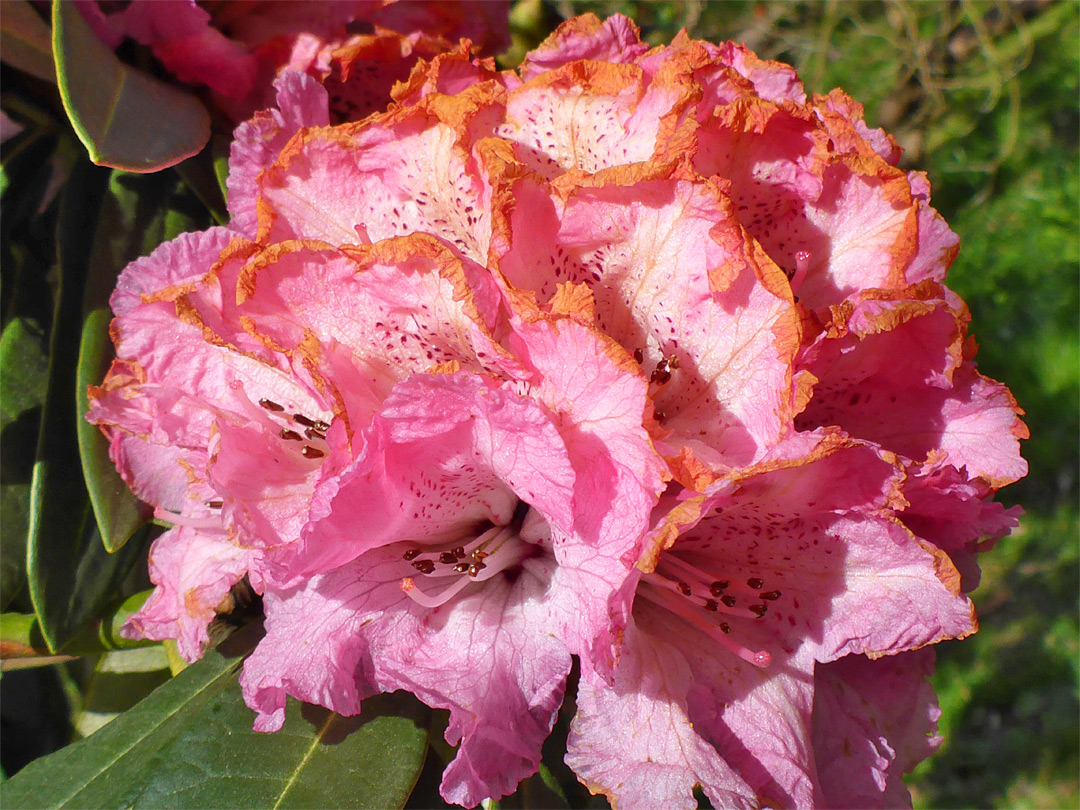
(446, 569)
(702, 600)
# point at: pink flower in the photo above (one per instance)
(635, 355)
(434, 485)
(359, 48)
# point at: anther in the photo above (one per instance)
(411, 554)
(321, 426)
(448, 558)
(479, 555)
(659, 416)
(311, 452)
(270, 405)
(462, 567)
(639, 356)
(754, 583)
(710, 605)
(215, 504)
(474, 569)
(424, 566)
(314, 435)
(725, 627)
(303, 420)
(728, 600)
(718, 587)
(459, 552)
(290, 435)
(684, 589)
(772, 596)
(759, 610)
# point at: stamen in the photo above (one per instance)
(310, 452)
(772, 596)
(190, 521)
(754, 583)
(215, 504)
(665, 599)
(290, 435)
(421, 598)
(411, 554)
(639, 356)
(802, 266)
(270, 405)
(314, 435)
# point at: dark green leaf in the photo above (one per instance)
(110, 768)
(71, 576)
(189, 744)
(24, 40)
(121, 679)
(137, 213)
(23, 377)
(125, 118)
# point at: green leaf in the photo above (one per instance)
(71, 576)
(121, 679)
(23, 378)
(189, 744)
(117, 512)
(137, 213)
(21, 637)
(25, 41)
(125, 118)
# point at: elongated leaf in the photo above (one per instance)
(71, 576)
(23, 377)
(109, 769)
(121, 679)
(136, 214)
(189, 744)
(125, 118)
(25, 41)
(20, 634)
(117, 512)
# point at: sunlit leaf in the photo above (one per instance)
(25, 40)
(121, 679)
(190, 744)
(125, 118)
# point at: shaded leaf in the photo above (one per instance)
(23, 377)
(71, 577)
(25, 40)
(137, 213)
(125, 118)
(189, 744)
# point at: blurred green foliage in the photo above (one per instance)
(983, 97)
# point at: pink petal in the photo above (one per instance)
(193, 570)
(256, 144)
(445, 453)
(503, 689)
(393, 177)
(615, 40)
(599, 396)
(650, 253)
(635, 742)
(873, 722)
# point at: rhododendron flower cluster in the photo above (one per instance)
(635, 355)
(359, 48)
